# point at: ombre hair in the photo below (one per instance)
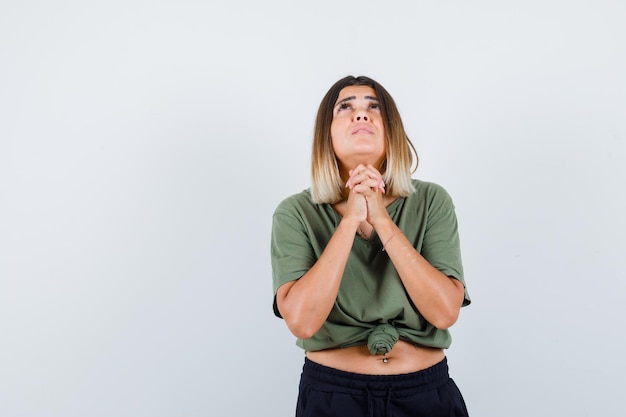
(396, 169)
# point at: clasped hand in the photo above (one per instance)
(365, 200)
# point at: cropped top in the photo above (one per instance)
(371, 293)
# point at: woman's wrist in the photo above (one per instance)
(386, 231)
(350, 224)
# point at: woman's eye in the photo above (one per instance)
(344, 106)
(374, 106)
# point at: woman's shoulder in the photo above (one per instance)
(428, 187)
(295, 202)
(431, 192)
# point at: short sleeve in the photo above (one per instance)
(291, 252)
(441, 245)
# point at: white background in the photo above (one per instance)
(145, 144)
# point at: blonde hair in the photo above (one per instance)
(326, 183)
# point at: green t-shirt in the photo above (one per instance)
(371, 292)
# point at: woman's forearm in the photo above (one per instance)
(306, 303)
(437, 297)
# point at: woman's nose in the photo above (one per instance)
(361, 117)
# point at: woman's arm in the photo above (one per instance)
(306, 303)
(437, 297)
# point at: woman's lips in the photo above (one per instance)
(361, 129)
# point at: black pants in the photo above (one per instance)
(328, 392)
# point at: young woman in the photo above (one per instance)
(367, 269)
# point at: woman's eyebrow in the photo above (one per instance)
(354, 97)
(345, 99)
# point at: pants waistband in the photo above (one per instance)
(355, 383)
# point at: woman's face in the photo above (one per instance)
(357, 129)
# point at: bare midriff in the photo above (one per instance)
(402, 359)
